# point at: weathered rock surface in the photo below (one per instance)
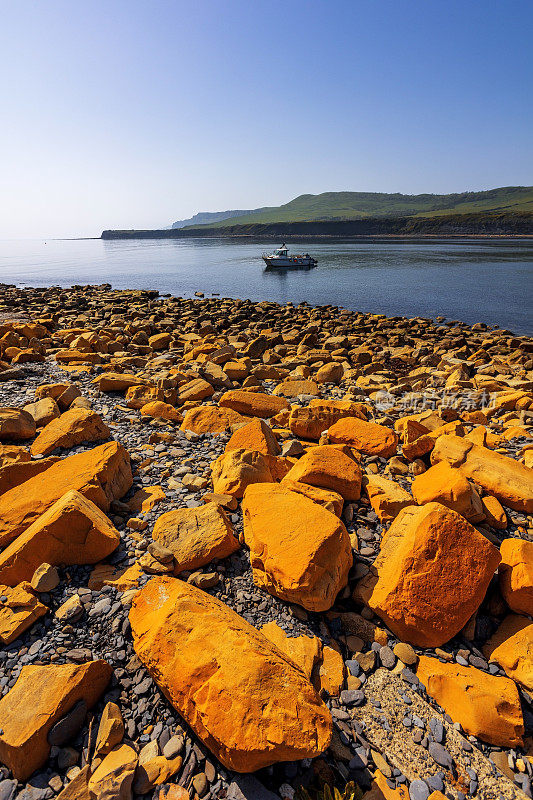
(299, 551)
(19, 609)
(16, 424)
(446, 485)
(240, 675)
(70, 429)
(253, 404)
(387, 497)
(328, 467)
(366, 437)
(512, 648)
(255, 435)
(516, 575)
(233, 471)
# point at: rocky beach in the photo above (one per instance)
(252, 551)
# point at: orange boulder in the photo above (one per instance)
(387, 498)
(311, 421)
(215, 669)
(102, 475)
(196, 536)
(41, 696)
(328, 467)
(255, 435)
(16, 472)
(367, 437)
(508, 480)
(446, 485)
(19, 609)
(197, 389)
(72, 531)
(211, 419)
(516, 575)
(495, 515)
(254, 404)
(512, 648)
(305, 651)
(233, 471)
(431, 574)
(486, 706)
(69, 430)
(332, 501)
(16, 424)
(160, 410)
(299, 551)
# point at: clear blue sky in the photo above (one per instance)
(136, 113)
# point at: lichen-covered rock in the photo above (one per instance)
(486, 706)
(41, 696)
(387, 497)
(516, 575)
(448, 486)
(215, 669)
(366, 437)
(512, 648)
(233, 471)
(432, 572)
(329, 467)
(16, 424)
(102, 475)
(299, 551)
(211, 419)
(72, 531)
(311, 421)
(69, 430)
(508, 480)
(19, 609)
(253, 404)
(196, 536)
(255, 435)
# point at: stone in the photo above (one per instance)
(332, 372)
(197, 389)
(72, 531)
(16, 425)
(13, 454)
(512, 648)
(332, 501)
(495, 515)
(253, 404)
(67, 728)
(332, 671)
(45, 578)
(215, 668)
(160, 410)
(19, 609)
(328, 467)
(69, 430)
(305, 651)
(405, 653)
(78, 788)
(17, 472)
(233, 471)
(41, 696)
(43, 411)
(102, 475)
(446, 485)
(366, 437)
(380, 789)
(486, 706)
(146, 499)
(211, 419)
(294, 387)
(117, 381)
(154, 772)
(255, 435)
(516, 575)
(71, 610)
(387, 498)
(299, 551)
(431, 574)
(508, 480)
(113, 777)
(311, 421)
(196, 536)
(110, 730)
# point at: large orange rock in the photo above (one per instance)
(19, 609)
(102, 475)
(211, 419)
(508, 480)
(255, 435)
(43, 411)
(72, 531)
(196, 536)
(215, 669)
(328, 467)
(332, 501)
(118, 381)
(418, 446)
(516, 575)
(13, 454)
(512, 648)
(16, 472)
(292, 387)
(233, 471)
(305, 651)
(387, 498)
(431, 574)
(253, 404)
(39, 698)
(299, 551)
(113, 777)
(16, 424)
(446, 485)
(197, 389)
(69, 430)
(367, 437)
(486, 706)
(311, 421)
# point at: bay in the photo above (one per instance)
(470, 280)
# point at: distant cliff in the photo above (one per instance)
(211, 217)
(483, 224)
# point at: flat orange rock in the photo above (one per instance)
(70, 429)
(366, 437)
(327, 467)
(217, 669)
(512, 648)
(253, 404)
(255, 435)
(516, 575)
(211, 419)
(19, 609)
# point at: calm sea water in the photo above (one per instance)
(488, 281)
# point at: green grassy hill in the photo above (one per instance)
(337, 206)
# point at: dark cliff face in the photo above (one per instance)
(505, 224)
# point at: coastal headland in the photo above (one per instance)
(252, 550)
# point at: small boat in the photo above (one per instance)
(281, 258)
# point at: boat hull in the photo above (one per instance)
(289, 263)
